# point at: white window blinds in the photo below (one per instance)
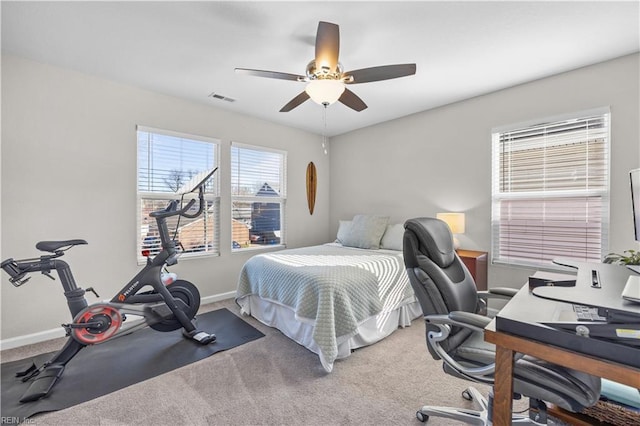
(550, 191)
(168, 165)
(258, 196)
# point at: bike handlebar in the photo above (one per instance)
(16, 274)
(171, 209)
(200, 207)
(18, 269)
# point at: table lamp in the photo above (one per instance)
(456, 224)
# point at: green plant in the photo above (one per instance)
(633, 258)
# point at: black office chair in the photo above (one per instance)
(455, 315)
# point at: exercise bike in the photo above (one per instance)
(166, 307)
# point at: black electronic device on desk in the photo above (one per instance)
(549, 314)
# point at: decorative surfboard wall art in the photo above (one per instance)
(312, 183)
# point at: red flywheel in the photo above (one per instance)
(102, 322)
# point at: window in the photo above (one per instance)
(258, 196)
(168, 165)
(550, 191)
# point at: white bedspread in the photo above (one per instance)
(335, 288)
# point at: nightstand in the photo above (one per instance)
(476, 263)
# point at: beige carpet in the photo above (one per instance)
(275, 381)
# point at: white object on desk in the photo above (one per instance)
(631, 290)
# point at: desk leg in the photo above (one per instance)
(503, 387)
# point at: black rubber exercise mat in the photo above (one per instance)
(101, 369)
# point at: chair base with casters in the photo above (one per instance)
(482, 416)
(456, 314)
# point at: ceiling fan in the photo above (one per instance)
(325, 77)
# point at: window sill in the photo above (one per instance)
(542, 267)
(266, 247)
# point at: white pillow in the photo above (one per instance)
(392, 238)
(366, 231)
(344, 227)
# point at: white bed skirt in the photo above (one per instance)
(300, 330)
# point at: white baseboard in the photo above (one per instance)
(42, 336)
(29, 339)
(218, 297)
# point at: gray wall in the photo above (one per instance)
(69, 171)
(440, 160)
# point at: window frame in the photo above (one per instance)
(281, 199)
(212, 195)
(588, 194)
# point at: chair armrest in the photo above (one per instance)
(468, 320)
(504, 291)
(498, 293)
(474, 322)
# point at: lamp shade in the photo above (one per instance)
(454, 220)
(325, 92)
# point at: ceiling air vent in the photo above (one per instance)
(221, 97)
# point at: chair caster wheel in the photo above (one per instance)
(422, 417)
(467, 395)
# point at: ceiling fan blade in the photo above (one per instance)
(295, 102)
(270, 74)
(385, 72)
(352, 100)
(327, 46)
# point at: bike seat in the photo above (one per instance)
(52, 246)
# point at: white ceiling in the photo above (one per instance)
(190, 49)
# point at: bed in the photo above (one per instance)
(331, 298)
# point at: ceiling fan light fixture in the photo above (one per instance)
(325, 92)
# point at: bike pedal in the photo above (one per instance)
(209, 338)
(201, 337)
(28, 372)
(41, 386)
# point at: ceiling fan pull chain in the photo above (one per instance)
(324, 129)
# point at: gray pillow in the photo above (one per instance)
(366, 231)
(392, 238)
(343, 230)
